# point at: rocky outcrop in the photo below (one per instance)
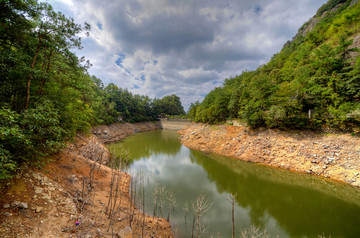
(118, 131)
(354, 2)
(355, 44)
(89, 147)
(68, 199)
(310, 25)
(333, 156)
(92, 146)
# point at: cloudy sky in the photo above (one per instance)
(183, 47)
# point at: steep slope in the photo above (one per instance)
(74, 186)
(314, 82)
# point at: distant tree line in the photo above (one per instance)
(314, 82)
(46, 95)
(115, 104)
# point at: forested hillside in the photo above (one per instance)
(314, 82)
(46, 94)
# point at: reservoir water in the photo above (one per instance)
(283, 203)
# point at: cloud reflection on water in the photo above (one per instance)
(287, 204)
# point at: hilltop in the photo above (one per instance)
(312, 83)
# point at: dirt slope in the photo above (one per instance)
(49, 202)
(335, 156)
(118, 131)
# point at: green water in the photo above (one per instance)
(286, 204)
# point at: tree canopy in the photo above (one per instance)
(312, 83)
(46, 94)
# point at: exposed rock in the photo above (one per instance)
(73, 178)
(310, 152)
(355, 44)
(46, 196)
(39, 209)
(21, 205)
(353, 2)
(15, 204)
(310, 26)
(125, 233)
(53, 203)
(6, 206)
(118, 131)
(91, 148)
(38, 190)
(37, 176)
(356, 183)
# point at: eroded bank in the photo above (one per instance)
(335, 156)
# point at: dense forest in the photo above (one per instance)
(313, 83)
(46, 94)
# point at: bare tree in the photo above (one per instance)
(231, 199)
(112, 183)
(161, 194)
(155, 199)
(170, 196)
(143, 207)
(254, 232)
(92, 175)
(186, 210)
(200, 206)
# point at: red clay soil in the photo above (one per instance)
(59, 195)
(335, 156)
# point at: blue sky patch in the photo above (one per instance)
(99, 25)
(120, 59)
(258, 9)
(182, 45)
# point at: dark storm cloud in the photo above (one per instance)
(186, 47)
(164, 33)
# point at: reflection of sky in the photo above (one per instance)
(187, 179)
(284, 203)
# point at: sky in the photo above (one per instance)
(183, 47)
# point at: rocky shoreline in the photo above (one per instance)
(118, 131)
(334, 156)
(60, 200)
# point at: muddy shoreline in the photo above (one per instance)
(334, 156)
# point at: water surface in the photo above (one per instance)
(286, 204)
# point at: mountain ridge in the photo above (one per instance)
(312, 83)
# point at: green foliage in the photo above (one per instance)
(329, 5)
(169, 105)
(28, 137)
(316, 72)
(46, 95)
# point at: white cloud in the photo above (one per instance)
(183, 47)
